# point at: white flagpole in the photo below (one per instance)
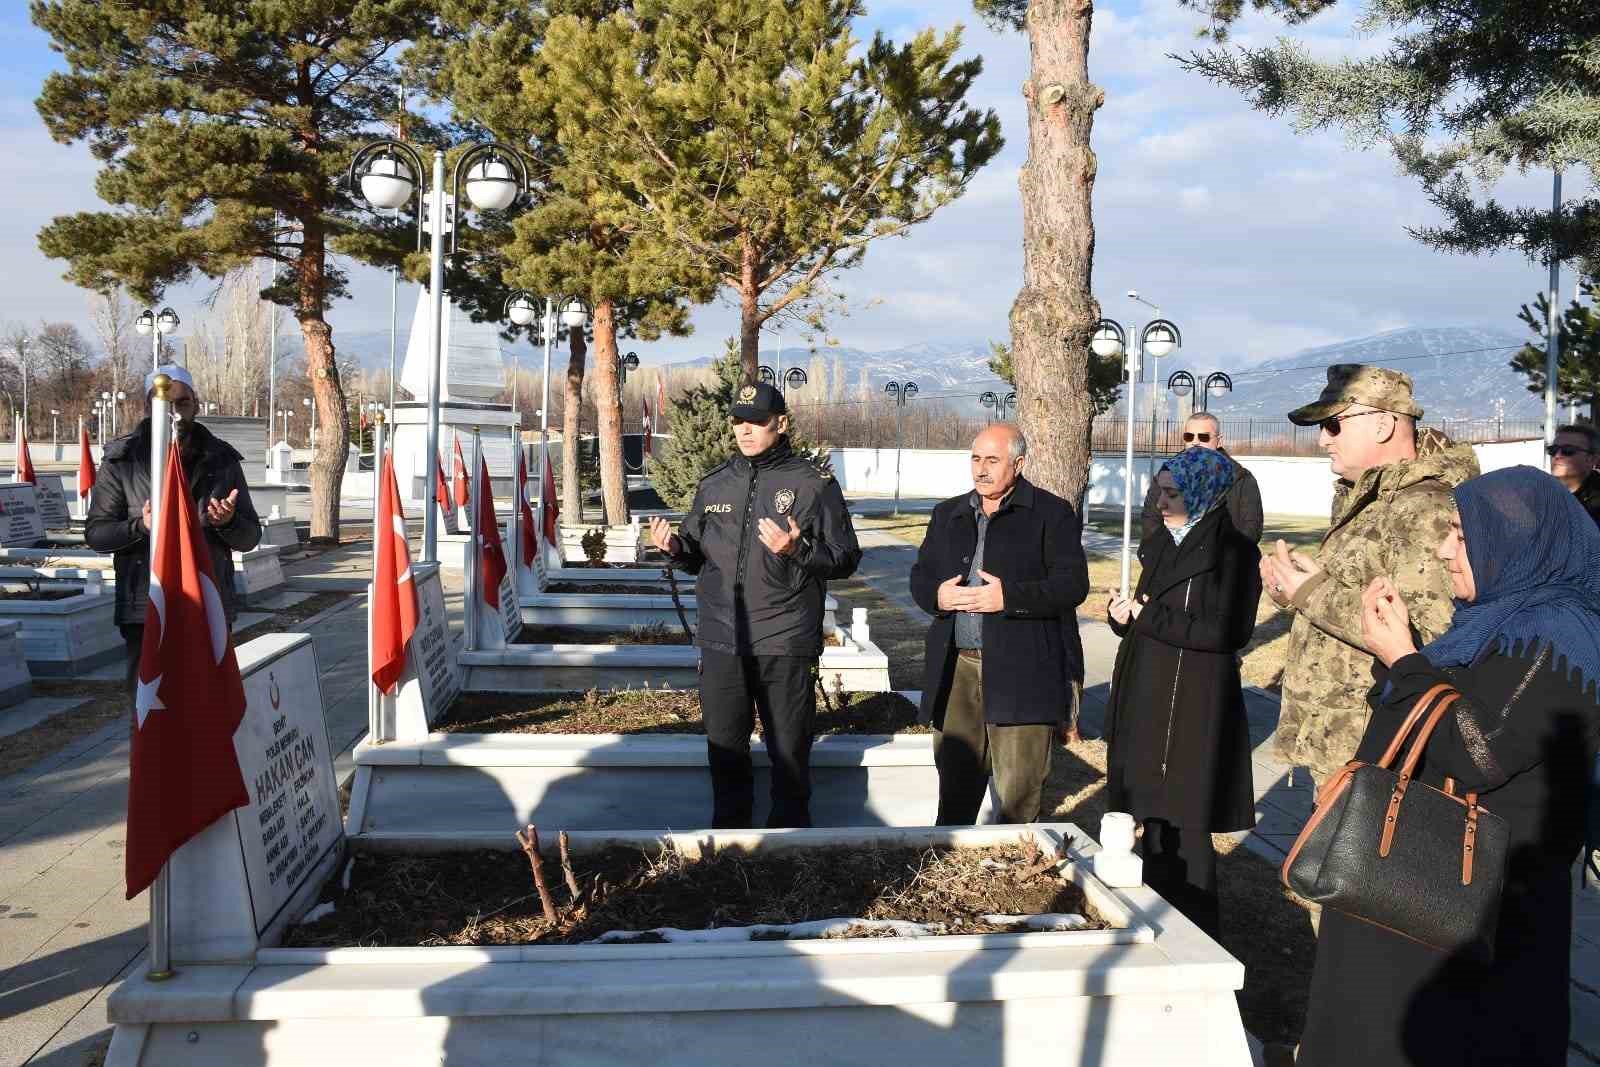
(379, 522)
(515, 525)
(470, 563)
(160, 895)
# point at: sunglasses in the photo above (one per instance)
(1190, 438)
(1565, 451)
(1331, 427)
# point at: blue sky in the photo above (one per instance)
(1258, 242)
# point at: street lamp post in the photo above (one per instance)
(625, 363)
(54, 414)
(521, 310)
(1158, 338)
(1217, 384)
(311, 433)
(22, 364)
(571, 312)
(794, 378)
(388, 175)
(157, 324)
(901, 393)
(284, 414)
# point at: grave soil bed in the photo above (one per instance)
(653, 634)
(489, 898)
(652, 711)
(45, 593)
(606, 587)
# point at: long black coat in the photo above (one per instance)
(1031, 652)
(1523, 737)
(115, 523)
(1179, 745)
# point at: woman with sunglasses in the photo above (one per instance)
(1179, 747)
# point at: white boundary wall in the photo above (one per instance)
(1290, 485)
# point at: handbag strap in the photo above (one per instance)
(1413, 756)
(1418, 709)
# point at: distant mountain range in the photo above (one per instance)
(1458, 371)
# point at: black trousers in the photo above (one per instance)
(133, 636)
(782, 690)
(1180, 863)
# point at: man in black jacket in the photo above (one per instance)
(1573, 456)
(1002, 571)
(765, 533)
(119, 513)
(1203, 429)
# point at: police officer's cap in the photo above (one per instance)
(757, 403)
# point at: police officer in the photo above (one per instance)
(765, 533)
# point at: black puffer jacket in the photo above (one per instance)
(750, 600)
(116, 523)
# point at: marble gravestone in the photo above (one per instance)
(240, 881)
(52, 502)
(21, 525)
(432, 678)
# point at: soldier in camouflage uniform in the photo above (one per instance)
(1391, 510)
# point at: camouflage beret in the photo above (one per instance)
(1357, 383)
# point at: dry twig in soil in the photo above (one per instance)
(530, 845)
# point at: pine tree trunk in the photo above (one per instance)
(327, 392)
(1055, 313)
(571, 415)
(749, 312)
(608, 406)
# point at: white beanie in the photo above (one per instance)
(171, 370)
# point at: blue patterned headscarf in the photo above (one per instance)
(1203, 476)
(1535, 557)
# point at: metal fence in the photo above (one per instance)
(1280, 437)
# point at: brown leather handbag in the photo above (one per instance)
(1422, 862)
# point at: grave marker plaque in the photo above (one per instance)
(21, 525)
(52, 502)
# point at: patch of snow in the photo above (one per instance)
(318, 912)
(1044, 921)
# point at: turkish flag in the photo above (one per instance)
(649, 424)
(491, 552)
(552, 511)
(85, 462)
(441, 491)
(183, 771)
(463, 491)
(394, 593)
(529, 528)
(24, 457)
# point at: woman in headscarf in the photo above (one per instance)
(1179, 747)
(1524, 651)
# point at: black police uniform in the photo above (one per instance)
(760, 614)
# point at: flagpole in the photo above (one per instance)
(516, 502)
(83, 498)
(374, 697)
(470, 563)
(160, 897)
(544, 410)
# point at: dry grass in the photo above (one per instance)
(908, 527)
(106, 703)
(656, 633)
(899, 634)
(653, 711)
(489, 898)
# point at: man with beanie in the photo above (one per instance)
(119, 518)
(766, 531)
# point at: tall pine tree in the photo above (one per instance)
(1055, 313)
(222, 130)
(760, 141)
(577, 237)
